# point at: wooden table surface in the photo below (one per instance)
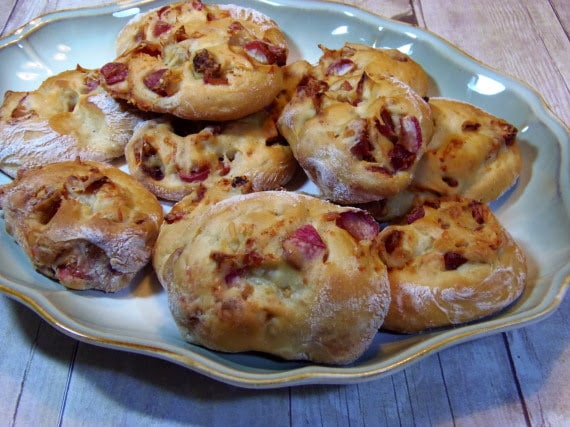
(517, 378)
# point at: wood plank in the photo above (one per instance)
(44, 386)
(33, 367)
(469, 384)
(118, 388)
(426, 390)
(325, 406)
(554, 45)
(414, 396)
(508, 35)
(6, 8)
(562, 12)
(401, 398)
(395, 9)
(19, 329)
(480, 384)
(541, 356)
(25, 11)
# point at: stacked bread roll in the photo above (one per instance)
(215, 123)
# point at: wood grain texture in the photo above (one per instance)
(562, 12)
(6, 9)
(474, 406)
(541, 359)
(513, 379)
(523, 39)
(394, 9)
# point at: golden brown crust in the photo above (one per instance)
(357, 137)
(472, 153)
(276, 272)
(293, 74)
(449, 262)
(173, 164)
(68, 116)
(86, 224)
(354, 57)
(199, 62)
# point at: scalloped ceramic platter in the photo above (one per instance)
(536, 211)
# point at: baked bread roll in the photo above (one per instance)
(358, 58)
(70, 115)
(449, 262)
(86, 224)
(359, 137)
(198, 61)
(276, 272)
(472, 153)
(172, 164)
(293, 74)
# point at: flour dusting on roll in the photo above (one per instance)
(275, 272)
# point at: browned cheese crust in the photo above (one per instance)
(173, 164)
(354, 57)
(449, 262)
(198, 61)
(68, 116)
(86, 224)
(276, 272)
(293, 74)
(472, 153)
(357, 137)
